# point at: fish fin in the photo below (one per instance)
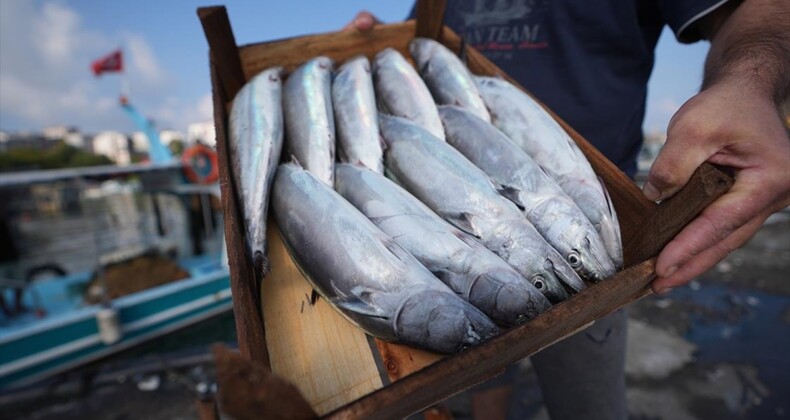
(463, 221)
(609, 204)
(382, 143)
(465, 238)
(395, 248)
(359, 306)
(512, 194)
(447, 278)
(296, 162)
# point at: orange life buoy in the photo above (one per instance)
(200, 164)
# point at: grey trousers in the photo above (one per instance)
(583, 376)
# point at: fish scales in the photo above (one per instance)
(255, 144)
(401, 92)
(525, 122)
(446, 76)
(466, 266)
(356, 119)
(309, 119)
(365, 274)
(522, 180)
(462, 194)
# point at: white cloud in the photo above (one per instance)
(142, 59)
(45, 52)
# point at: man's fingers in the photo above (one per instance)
(708, 258)
(363, 22)
(672, 169)
(742, 204)
(687, 147)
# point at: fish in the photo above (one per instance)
(463, 264)
(309, 119)
(448, 79)
(364, 274)
(525, 122)
(462, 194)
(255, 144)
(356, 119)
(523, 181)
(401, 92)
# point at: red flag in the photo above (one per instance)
(112, 62)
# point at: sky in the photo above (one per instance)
(46, 47)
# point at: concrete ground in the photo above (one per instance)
(718, 348)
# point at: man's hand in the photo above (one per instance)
(364, 21)
(734, 121)
(739, 129)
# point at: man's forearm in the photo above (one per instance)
(751, 46)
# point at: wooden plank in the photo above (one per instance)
(222, 44)
(339, 46)
(250, 333)
(400, 361)
(454, 374)
(430, 18)
(674, 213)
(306, 335)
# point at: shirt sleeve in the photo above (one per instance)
(682, 16)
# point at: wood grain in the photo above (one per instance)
(339, 46)
(430, 18)
(674, 213)
(222, 45)
(315, 348)
(455, 374)
(400, 361)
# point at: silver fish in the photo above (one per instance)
(536, 132)
(309, 120)
(447, 77)
(256, 140)
(365, 274)
(463, 195)
(401, 92)
(522, 180)
(356, 119)
(467, 267)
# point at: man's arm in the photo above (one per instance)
(734, 121)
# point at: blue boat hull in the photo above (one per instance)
(56, 345)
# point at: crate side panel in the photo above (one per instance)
(310, 344)
(339, 46)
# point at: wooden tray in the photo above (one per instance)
(340, 371)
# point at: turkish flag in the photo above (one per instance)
(109, 63)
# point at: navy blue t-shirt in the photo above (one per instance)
(587, 60)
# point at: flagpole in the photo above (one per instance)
(124, 80)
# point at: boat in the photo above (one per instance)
(57, 311)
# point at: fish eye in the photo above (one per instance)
(574, 259)
(538, 282)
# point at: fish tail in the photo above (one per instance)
(261, 264)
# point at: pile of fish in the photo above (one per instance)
(458, 204)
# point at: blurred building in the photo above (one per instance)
(202, 132)
(69, 134)
(114, 145)
(24, 140)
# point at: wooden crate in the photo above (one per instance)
(340, 371)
